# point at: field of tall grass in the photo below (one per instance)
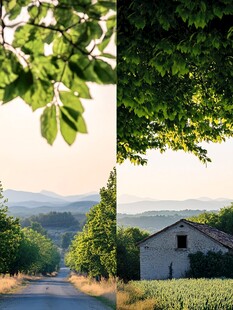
(182, 294)
(103, 289)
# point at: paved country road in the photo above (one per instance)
(51, 294)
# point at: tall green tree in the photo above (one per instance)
(174, 76)
(45, 254)
(94, 249)
(49, 50)
(10, 237)
(128, 259)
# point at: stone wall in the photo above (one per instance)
(160, 257)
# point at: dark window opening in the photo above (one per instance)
(182, 242)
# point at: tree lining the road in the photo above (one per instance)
(24, 250)
(174, 76)
(93, 251)
(57, 47)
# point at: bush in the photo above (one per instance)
(210, 265)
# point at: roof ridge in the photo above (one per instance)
(218, 235)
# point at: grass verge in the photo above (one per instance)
(104, 290)
(132, 298)
(9, 285)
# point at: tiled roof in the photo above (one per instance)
(218, 235)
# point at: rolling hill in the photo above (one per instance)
(23, 204)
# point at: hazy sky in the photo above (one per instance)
(28, 163)
(179, 175)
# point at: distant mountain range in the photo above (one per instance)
(22, 203)
(190, 204)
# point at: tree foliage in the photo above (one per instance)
(128, 261)
(210, 265)
(44, 256)
(57, 47)
(222, 220)
(174, 76)
(10, 237)
(24, 250)
(53, 219)
(93, 251)
(66, 239)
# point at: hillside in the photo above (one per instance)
(75, 207)
(25, 204)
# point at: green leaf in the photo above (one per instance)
(108, 4)
(49, 38)
(18, 87)
(105, 72)
(86, 66)
(104, 43)
(49, 124)
(14, 12)
(61, 47)
(33, 11)
(81, 87)
(94, 30)
(139, 21)
(70, 100)
(218, 11)
(66, 128)
(39, 94)
(76, 69)
(73, 119)
(81, 125)
(6, 74)
(107, 55)
(70, 116)
(22, 35)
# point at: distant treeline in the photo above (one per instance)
(153, 221)
(53, 220)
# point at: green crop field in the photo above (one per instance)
(187, 294)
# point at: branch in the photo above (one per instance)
(45, 27)
(62, 33)
(18, 53)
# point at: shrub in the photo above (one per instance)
(210, 265)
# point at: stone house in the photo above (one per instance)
(165, 253)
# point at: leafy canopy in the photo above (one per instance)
(93, 251)
(174, 76)
(57, 47)
(222, 220)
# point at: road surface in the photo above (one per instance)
(51, 294)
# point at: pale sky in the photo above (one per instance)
(28, 162)
(179, 175)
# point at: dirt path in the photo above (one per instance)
(51, 294)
